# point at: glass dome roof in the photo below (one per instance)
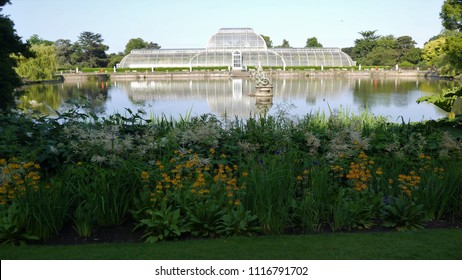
(236, 39)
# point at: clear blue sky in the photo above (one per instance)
(186, 24)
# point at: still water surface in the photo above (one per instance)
(390, 97)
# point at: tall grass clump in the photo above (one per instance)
(269, 191)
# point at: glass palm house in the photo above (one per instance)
(236, 48)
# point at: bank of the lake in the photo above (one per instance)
(220, 74)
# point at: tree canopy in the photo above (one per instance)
(269, 43)
(451, 14)
(93, 49)
(285, 44)
(138, 43)
(445, 49)
(312, 42)
(41, 67)
(10, 43)
(374, 49)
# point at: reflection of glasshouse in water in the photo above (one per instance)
(236, 48)
(231, 97)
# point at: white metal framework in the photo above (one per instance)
(236, 48)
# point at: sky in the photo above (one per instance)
(190, 24)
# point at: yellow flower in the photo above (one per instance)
(144, 175)
(245, 174)
(299, 178)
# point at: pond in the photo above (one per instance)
(394, 98)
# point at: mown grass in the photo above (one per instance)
(441, 244)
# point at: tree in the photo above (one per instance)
(364, 45)
(433, 51)
(153, 45)
(348, 51)
(453, 50)
(10, 43)
(285, 44)
(138, 43)
(115, 58)
(414, 56)
(93, 49)
(313, 43)
(65, 57)
(384, 51)
(381, 56)
(451, 14)
(269, 43)
(404, 45)
(37, 40)
(41, 67)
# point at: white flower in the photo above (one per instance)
(98, 159)
(53, 150)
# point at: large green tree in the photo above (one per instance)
(10, 43)
(364, 46)
(41, 67)
(451, 14)
(373, 49)
(66, 56)
(404, 46)
(312, 42)
(93, 49)
(269, 43)
(138, 43)
(445, 50)
(433, 51)
(453, 51)
(285, 44)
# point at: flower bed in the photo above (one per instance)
(209, 177)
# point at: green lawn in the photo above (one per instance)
(441, 244)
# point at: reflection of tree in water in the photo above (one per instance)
(392, 91)
(50, 97)
(43, 98)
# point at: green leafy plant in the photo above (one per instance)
(162, 224)
(13, 226)
(402, 215)
(238, 221)
(444, 100)
(365, 210)
(203, 218)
